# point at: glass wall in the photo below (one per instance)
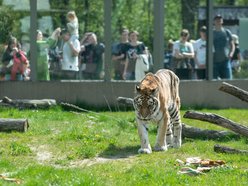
(14, 40)
(71, 40)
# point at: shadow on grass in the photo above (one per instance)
(229, 137)
(114, 152)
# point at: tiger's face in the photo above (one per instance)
(146, 102)
(146, 107)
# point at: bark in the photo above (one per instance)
(8, 125)
(235, 91)
(28, 103)
(125, 101)
(218, 120)
(222, 149)
(71, 107)
(197, 133)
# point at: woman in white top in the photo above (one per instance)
(200, 47)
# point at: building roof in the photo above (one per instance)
(227, 12)
(25, 5)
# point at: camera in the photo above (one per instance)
(18, 55)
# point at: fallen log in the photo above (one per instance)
(125, 101)
(189, 131)
(218, 120)
(223, 149)
(8, 125)
(197, 133)
(235, 91)
(28, 103)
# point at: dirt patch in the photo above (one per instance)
(45, 157)
(98, 160)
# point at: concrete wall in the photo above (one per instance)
(98, 93)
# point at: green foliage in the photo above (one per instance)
(132, 14)
(17, 149)
(7, 18)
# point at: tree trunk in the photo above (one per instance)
(189, 12)
(235, 91)
(7, 125)
(222, 149)
(28, 103)
(197, 133)
(125, 101)
(218, 120)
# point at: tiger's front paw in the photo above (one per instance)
(160, 148)
(145, 151)
(177, 144)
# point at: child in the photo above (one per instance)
(72, 24)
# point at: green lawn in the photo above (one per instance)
(66, 148)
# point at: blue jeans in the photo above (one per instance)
(222, 70)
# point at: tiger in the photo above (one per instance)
(157, 99)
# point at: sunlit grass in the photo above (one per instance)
(53, 151)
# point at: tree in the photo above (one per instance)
(189, 15)
(6, 24)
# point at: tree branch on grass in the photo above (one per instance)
(218, 120)
(222, 149)
(189, 131)
(197, 133)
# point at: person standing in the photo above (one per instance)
(236, 58)
(71, 49)
(200, 53)
(135, 49)
(183, 55)
(92, 53)
(223, 50)
(42, 57)
(119, 55)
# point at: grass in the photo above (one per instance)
(66, 148)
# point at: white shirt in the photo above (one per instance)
(200, 49)
(182, 47)
(70, 62)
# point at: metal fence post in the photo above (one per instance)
(33, 47)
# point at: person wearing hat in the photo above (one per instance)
(236, 58)
(223, 50)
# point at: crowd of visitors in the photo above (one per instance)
(63, 56)
(188, 57)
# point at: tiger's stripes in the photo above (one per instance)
(173, 135)
(157, 99)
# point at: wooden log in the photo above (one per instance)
(218, 120)
(235, 91)
(125, 101)
(28, 103)
(71, 107)
(8, 125)
(189, 131)
(197, 133)
(223, 149)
